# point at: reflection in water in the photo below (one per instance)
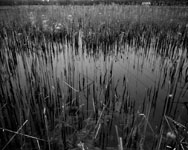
(120, 79)
(145, 75)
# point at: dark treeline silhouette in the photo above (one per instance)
(91, 2)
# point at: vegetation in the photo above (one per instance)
(59, 88)
(91, 2)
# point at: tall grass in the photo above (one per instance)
(60, 83)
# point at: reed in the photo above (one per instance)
(67, 72)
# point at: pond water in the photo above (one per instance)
(139, 77)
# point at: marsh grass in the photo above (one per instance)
(58, 73)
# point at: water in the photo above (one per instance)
(120, 73)
(138, 70)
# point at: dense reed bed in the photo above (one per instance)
(93, 77)
(102, 24)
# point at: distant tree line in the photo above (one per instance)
(91, 2)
